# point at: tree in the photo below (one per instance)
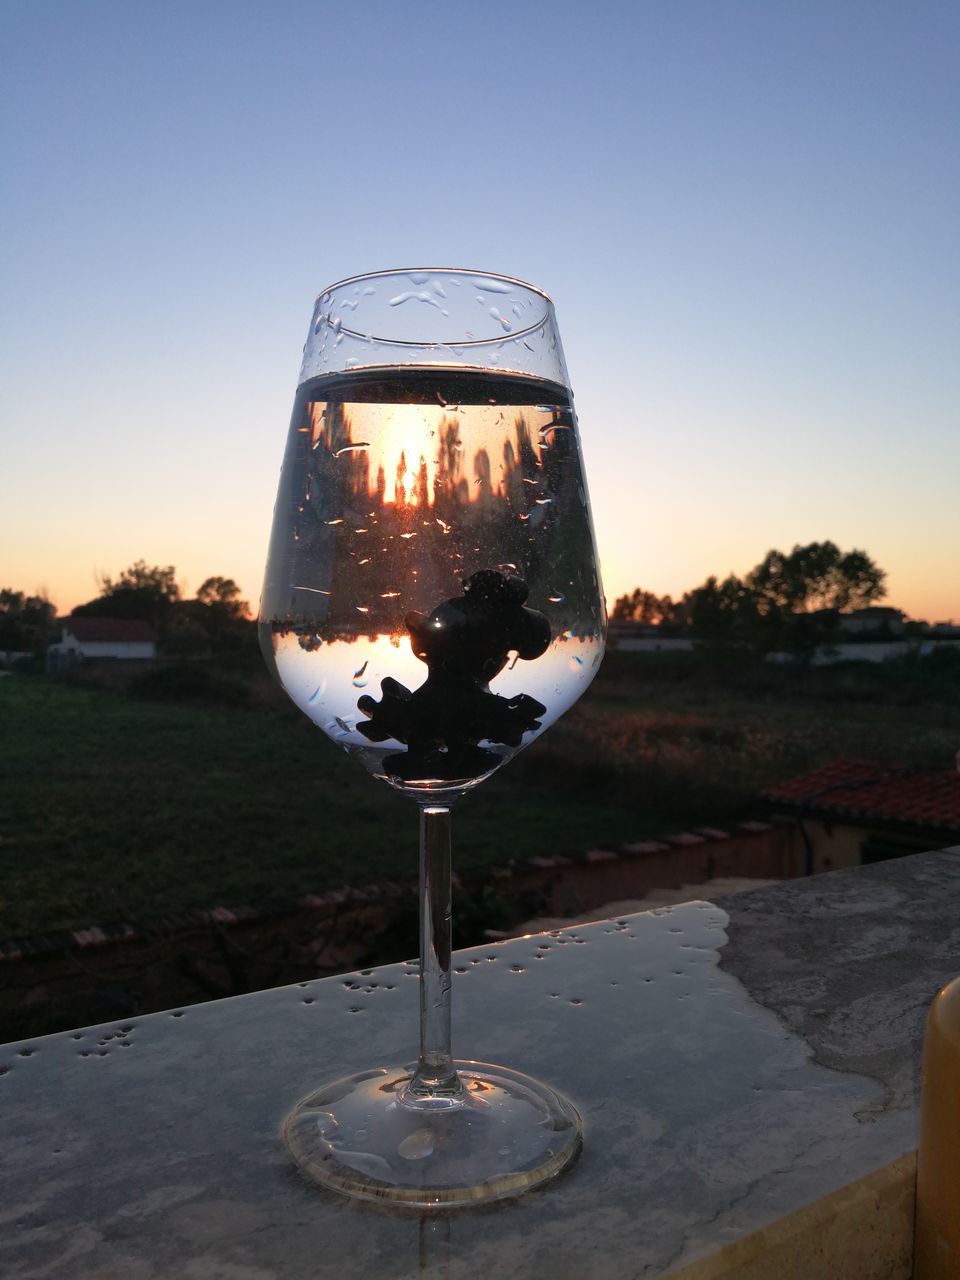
(724, 614)
(644, 606)
(216, 620)
(218, 614)
(788, 601)
(223, 594)
(815, 577)
(25, 621)
(143, 591)
(143, 577)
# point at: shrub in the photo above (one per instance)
(189, 682)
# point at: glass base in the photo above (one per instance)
(364, 1136)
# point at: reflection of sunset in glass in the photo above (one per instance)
(409, 444)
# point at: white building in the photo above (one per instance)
(876, 618)
(104, 638)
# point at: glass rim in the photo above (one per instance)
(456, 271)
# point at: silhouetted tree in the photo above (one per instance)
(725, 616)
(143, 591)
(789, 600)
(216, 620)
(814, 577)
(219, 614)
(25, 621)
(644, 606)
(222, 594)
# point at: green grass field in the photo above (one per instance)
(119, 807)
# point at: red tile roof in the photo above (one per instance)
(865, 789)
(95, 630)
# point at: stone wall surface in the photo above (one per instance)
(732, 1066)
(54, 980)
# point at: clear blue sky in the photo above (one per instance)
(748, 215)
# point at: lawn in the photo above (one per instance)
(119, 807)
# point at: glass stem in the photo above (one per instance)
(436, 1081)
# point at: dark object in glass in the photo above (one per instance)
(465, 642)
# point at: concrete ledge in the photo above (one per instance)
(747, 1072)
(864, 1231)
(129, 967)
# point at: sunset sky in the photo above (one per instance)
(747, 214)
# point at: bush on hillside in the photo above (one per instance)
(189, 682)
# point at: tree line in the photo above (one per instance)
(216, 619)
(790, 600)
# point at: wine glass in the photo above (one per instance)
(432, 602)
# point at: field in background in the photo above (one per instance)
(197, 787)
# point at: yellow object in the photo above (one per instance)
(937, 1251)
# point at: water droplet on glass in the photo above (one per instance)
(557, 598)
(504, 323)
(493, 286)
(422, 296)
(351, 448)
(318, 692)
(363, 608)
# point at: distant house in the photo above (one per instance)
(84, 638)
(876, 619)
(853, 812)
(640, 637)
